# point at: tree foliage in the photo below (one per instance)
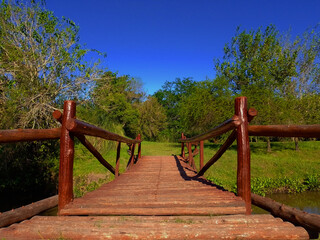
(41, 64)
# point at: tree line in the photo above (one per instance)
(42, 63)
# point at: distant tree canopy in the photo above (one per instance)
(279, 76)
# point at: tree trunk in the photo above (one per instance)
(268, 145)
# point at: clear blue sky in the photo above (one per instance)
(159, 40)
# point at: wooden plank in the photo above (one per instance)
(22, 135)
(168, 227)
(25, 212)
(296, 216)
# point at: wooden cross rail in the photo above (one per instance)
(74, 127)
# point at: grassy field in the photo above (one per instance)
(284, 169)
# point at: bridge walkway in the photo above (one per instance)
(159, 197)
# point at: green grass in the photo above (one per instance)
(284, 169)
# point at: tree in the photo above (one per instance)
(41, 64)
(115, 101)
(258, 66)
(170, 96)
(152, 119)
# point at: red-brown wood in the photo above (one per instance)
(190, 154)
(311, 131)
(183, 155)
(132, 155)
(296, 216)
(201, 155)
(95, 152)
(28, 211)
(66, 157)
(226, 126)
(22, 135)
(77, 126)
(232, 137)
(243, 169)
(118, 159)
(139, 146)
(233, 227)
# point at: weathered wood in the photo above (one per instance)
(154, 227)
(183, 154)
(118, 159)
(158, 186)
(22, 135)
(95, 152)
(296, 216)
(77, 126)
(201, 155)
(139, 146)
(232, 137)
(66, 157)
(28, 211)
(58, 116)
(226, 126)
(307, 131)
(190, 155)
(243, 169)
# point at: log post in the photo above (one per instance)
(66, 157)
(183, 154)
(118, 160)
(243, 169)
(139, 146)
(201, 154)
(190, 154)
(132, 155)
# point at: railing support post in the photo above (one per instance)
(66, 157)
(139, 146)
(190, 154)
(183, 154)
(116, 174)
(201, 154)
(243, 170)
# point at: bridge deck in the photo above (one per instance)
(162, 198)
(157, 186)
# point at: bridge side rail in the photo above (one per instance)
(239, 124)
(73, 127)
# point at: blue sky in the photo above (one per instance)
(160, 40)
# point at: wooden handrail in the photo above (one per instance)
(312, 131)
(58, 116)
(24, 135)
(226, 126)
(77, 126)
(232, 137)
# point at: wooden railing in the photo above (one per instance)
(239, 124)
(72, 127)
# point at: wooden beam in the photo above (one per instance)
(24, 135)
(296, 216)
(221, 129)
(312, 131)
(28, 211)
(66, 157)
(243, 152)
(80, 127)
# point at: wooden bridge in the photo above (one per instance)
(157, 197)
